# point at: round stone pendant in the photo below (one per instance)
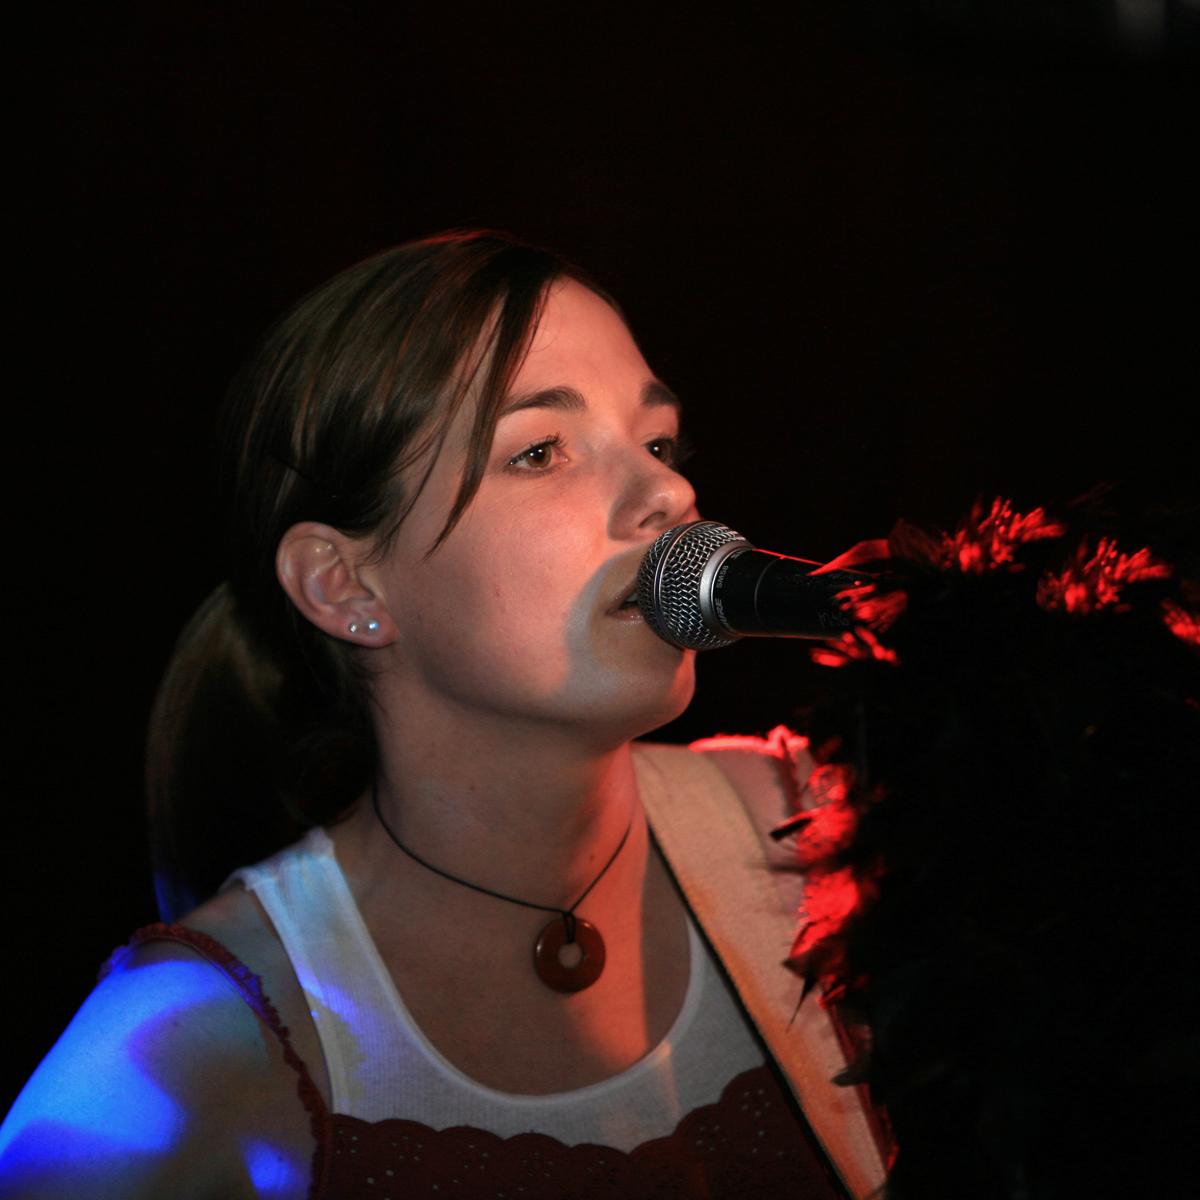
(569, 966)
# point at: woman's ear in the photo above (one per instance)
(322, 572)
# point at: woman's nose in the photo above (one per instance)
(655, 498)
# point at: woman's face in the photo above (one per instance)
(522, 611)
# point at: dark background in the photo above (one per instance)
(886, 272)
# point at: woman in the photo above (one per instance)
(443, 470)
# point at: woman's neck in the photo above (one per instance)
(529, 809)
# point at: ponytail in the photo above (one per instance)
(229, 777)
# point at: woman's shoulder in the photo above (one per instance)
(165, 1082)
(236, 921)
(157, 1087)
(233, 923)
(767, 773)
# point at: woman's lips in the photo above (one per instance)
(626, 605)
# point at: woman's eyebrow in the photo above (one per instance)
(565, 398)
(655, 394)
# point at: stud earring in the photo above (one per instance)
(372, 626)
(353, 628)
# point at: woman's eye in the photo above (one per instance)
(671, 450)
(537, 457)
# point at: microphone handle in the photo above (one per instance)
(756, 593)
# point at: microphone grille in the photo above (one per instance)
(669, 584)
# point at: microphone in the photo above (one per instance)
(702, 586)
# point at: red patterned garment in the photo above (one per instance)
(748, 1144)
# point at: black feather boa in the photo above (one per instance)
(1003, 880)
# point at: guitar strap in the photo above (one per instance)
(713, 851)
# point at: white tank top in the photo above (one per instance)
(381, 1065)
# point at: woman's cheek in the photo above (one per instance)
(508, 650)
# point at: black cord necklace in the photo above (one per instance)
(568, 955)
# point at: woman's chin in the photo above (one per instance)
(659, 707)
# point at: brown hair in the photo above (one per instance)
(261, 727)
